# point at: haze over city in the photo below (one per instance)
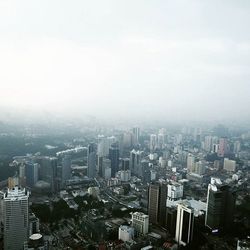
(169, 60)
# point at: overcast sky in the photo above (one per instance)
(165, 59)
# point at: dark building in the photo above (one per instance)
(48, 171)
(171, 220)
(220, 206)
(99, 165)
(31, 173)
(157, 194)
(91, 159)
(114, 158)
(146, 173)
(125, 164)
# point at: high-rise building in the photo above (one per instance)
(102, 146)
(199, 168)
(48, 171)
(161, 141)
(220, 206)
(135, 161)
(175, 191)
(229, 165)
(125, 163)
(153, 142)
(114, 158)
(15, 218)
(136, 135)
(127, 139)
(223, 147)
(91, 156)
(171, 220)
(99, 165)
(66, 168)
(184, 224)
(237, 147)
(22, 177)
(157, 194)
(106, 164)
(140, 223)
(208, 143)
(190, 163)
(31, 173)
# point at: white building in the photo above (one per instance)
(229, 165)
(102, 146)
(126, 233)
(184, 224)
(208, 143)
(199, 168)
(140, 222)
(124, 175)
(175, 191)
(107, 173)
(190, 163)
(15, 218)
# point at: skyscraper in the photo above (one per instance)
(31, 173)
(220, 206)
(223, 147)
(114, 158)
(135, 161)
(190, 163)
(208, 143)
(184, 224)
(66, 168)
(157, 194)
(136, 135)
(161, 141)
(102, 146)
(106, 168)
(91, 157)
(125, 163)
(15, 218)
(153, 142)
(48, 171)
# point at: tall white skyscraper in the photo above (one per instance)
(184, 224)
(15, 218)
(102, 146)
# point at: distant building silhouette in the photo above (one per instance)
(91, 158)
(114, 158)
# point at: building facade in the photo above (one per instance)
(15, 218)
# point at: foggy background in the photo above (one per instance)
(164, 60)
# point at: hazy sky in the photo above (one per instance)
(171, 59)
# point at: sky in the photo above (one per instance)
(158, 59)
